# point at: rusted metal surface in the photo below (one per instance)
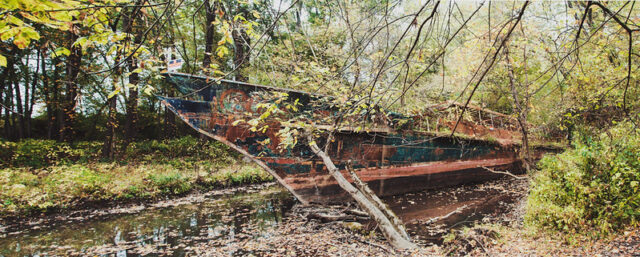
(391, 162)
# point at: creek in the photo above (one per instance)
(223, 219)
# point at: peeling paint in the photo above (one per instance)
(399, 161)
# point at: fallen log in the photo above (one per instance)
(389, 230)
(395, 221)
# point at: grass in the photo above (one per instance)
(34, 182)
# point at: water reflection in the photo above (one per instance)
(227, 220)
(156, 230)
(428, 214)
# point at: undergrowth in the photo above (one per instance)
(41, 175)
(591, 190)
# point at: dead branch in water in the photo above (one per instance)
(503, 172)
(324, 217)
(436, 219)
(357, 212)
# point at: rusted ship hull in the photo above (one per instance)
(389, 161)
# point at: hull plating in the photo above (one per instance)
(390, 162)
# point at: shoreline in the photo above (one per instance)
(12, 225)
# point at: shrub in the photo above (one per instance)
(171, 183)
(185, 147)
(592, 189)
(38, 153)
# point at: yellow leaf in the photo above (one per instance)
(8, 33)
(3, 61)
(14, 20)
(221, 51)
(148, 90)
(20, 41)
(222, 41)
(117, 91)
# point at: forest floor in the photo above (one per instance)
(502, 234)
(506, 235)
(45, 183)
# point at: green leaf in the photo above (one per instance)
(30, 33)
(82, 42)
(9, 33)
(61, 51)
(3, 61)
(14, 20)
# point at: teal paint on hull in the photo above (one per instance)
(212, 107)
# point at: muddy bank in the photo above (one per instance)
(430, 215)
(261, 220)
(13, 225)
(265, 220)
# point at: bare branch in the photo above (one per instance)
(493, 60)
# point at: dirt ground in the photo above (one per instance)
(300, 237)
(502, 234)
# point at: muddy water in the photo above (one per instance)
(429, 215)
(162, 230)
(229, 218)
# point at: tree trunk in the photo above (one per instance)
(4, 80)
(241, 52)
(521, 106)
(396, 238)
(32, 101)
(112, 123)
(8, 107)
(364, 188)
(169, 120)
(11, 81)
(45, 94)
(209, 34)
(131, 128)
(18, 102)
(23, 105)
(56, 114)
(70, 100)
(130, 22)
